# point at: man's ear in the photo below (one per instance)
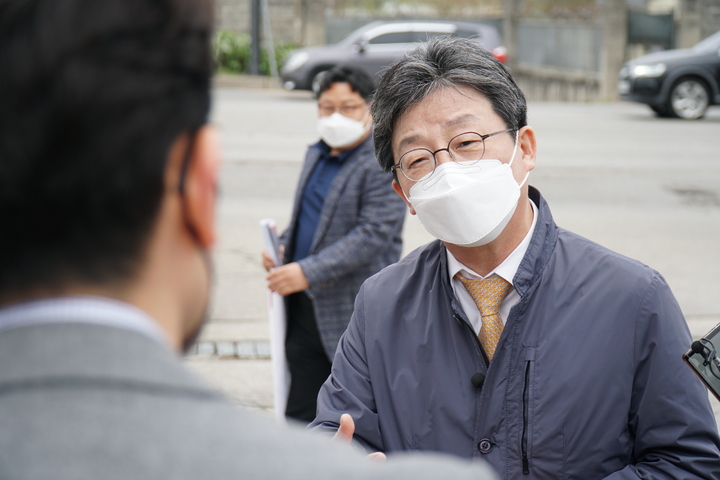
(200, 189)
(398, 189)
(527, 145)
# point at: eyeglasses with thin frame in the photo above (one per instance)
(468, 148)
(346, 110)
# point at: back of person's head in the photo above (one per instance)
(92, 95)
(442, 62)
(359, 81)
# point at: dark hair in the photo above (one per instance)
(442, 62)
(92, 95)
(360, 82)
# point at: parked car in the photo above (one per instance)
(675, 83)
(378, 44)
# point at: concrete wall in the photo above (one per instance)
(549, 84)
(696, 20)
(710, 17)
(613, 14)
(688, 24)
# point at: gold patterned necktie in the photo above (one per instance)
(488, 294)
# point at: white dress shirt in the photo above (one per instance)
(81, 309)
(506, 270)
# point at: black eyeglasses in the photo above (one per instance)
(468, 148)
(347, 110)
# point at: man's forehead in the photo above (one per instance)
(443, 111)
(449, 106)
(461, 119)
(339, 92)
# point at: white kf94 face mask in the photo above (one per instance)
(467, 205)
(337, 130)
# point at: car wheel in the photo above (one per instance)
(315, 84)
(689, 99)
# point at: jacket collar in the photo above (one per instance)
(313, 156)
(324, 150)
(87, 354)
(332, 199)
(542, 245)
(317, 150)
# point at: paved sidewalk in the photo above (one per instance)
(246, 382)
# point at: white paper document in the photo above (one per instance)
(278, 327)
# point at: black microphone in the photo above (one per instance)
(707, 353)
(477, 380)
(698, 347)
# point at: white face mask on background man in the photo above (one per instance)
(339, 131)
(467, 205)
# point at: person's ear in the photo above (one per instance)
(398, 189)
(200, 188)
(527, 145)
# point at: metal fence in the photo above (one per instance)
(562, 45)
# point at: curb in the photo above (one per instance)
(245, 350)
(224, 80)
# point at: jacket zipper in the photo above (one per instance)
(526, 401)
(458, 318)
(526, 393)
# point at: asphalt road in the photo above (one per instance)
(646, 187)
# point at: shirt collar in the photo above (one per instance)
(507, 269)
(81, 309)
(325, 150)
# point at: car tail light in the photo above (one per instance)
(500, 53)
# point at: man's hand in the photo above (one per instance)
(268, 262)
(287, 279)
(345, 434)
(346, 430)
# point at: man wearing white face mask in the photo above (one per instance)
(346, 225)
(508, 339)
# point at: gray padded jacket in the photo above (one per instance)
(587, 381)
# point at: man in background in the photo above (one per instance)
(108, 174)
(346, 225)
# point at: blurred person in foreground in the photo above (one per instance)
(108, 175)
(346, 225)
(508, 338)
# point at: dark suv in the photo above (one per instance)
(675, 83)
(378, 44)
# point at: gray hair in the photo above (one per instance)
(442, 62)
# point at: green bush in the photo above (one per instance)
(232, 53)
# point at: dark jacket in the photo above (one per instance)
(358, 234)
(587, 381)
